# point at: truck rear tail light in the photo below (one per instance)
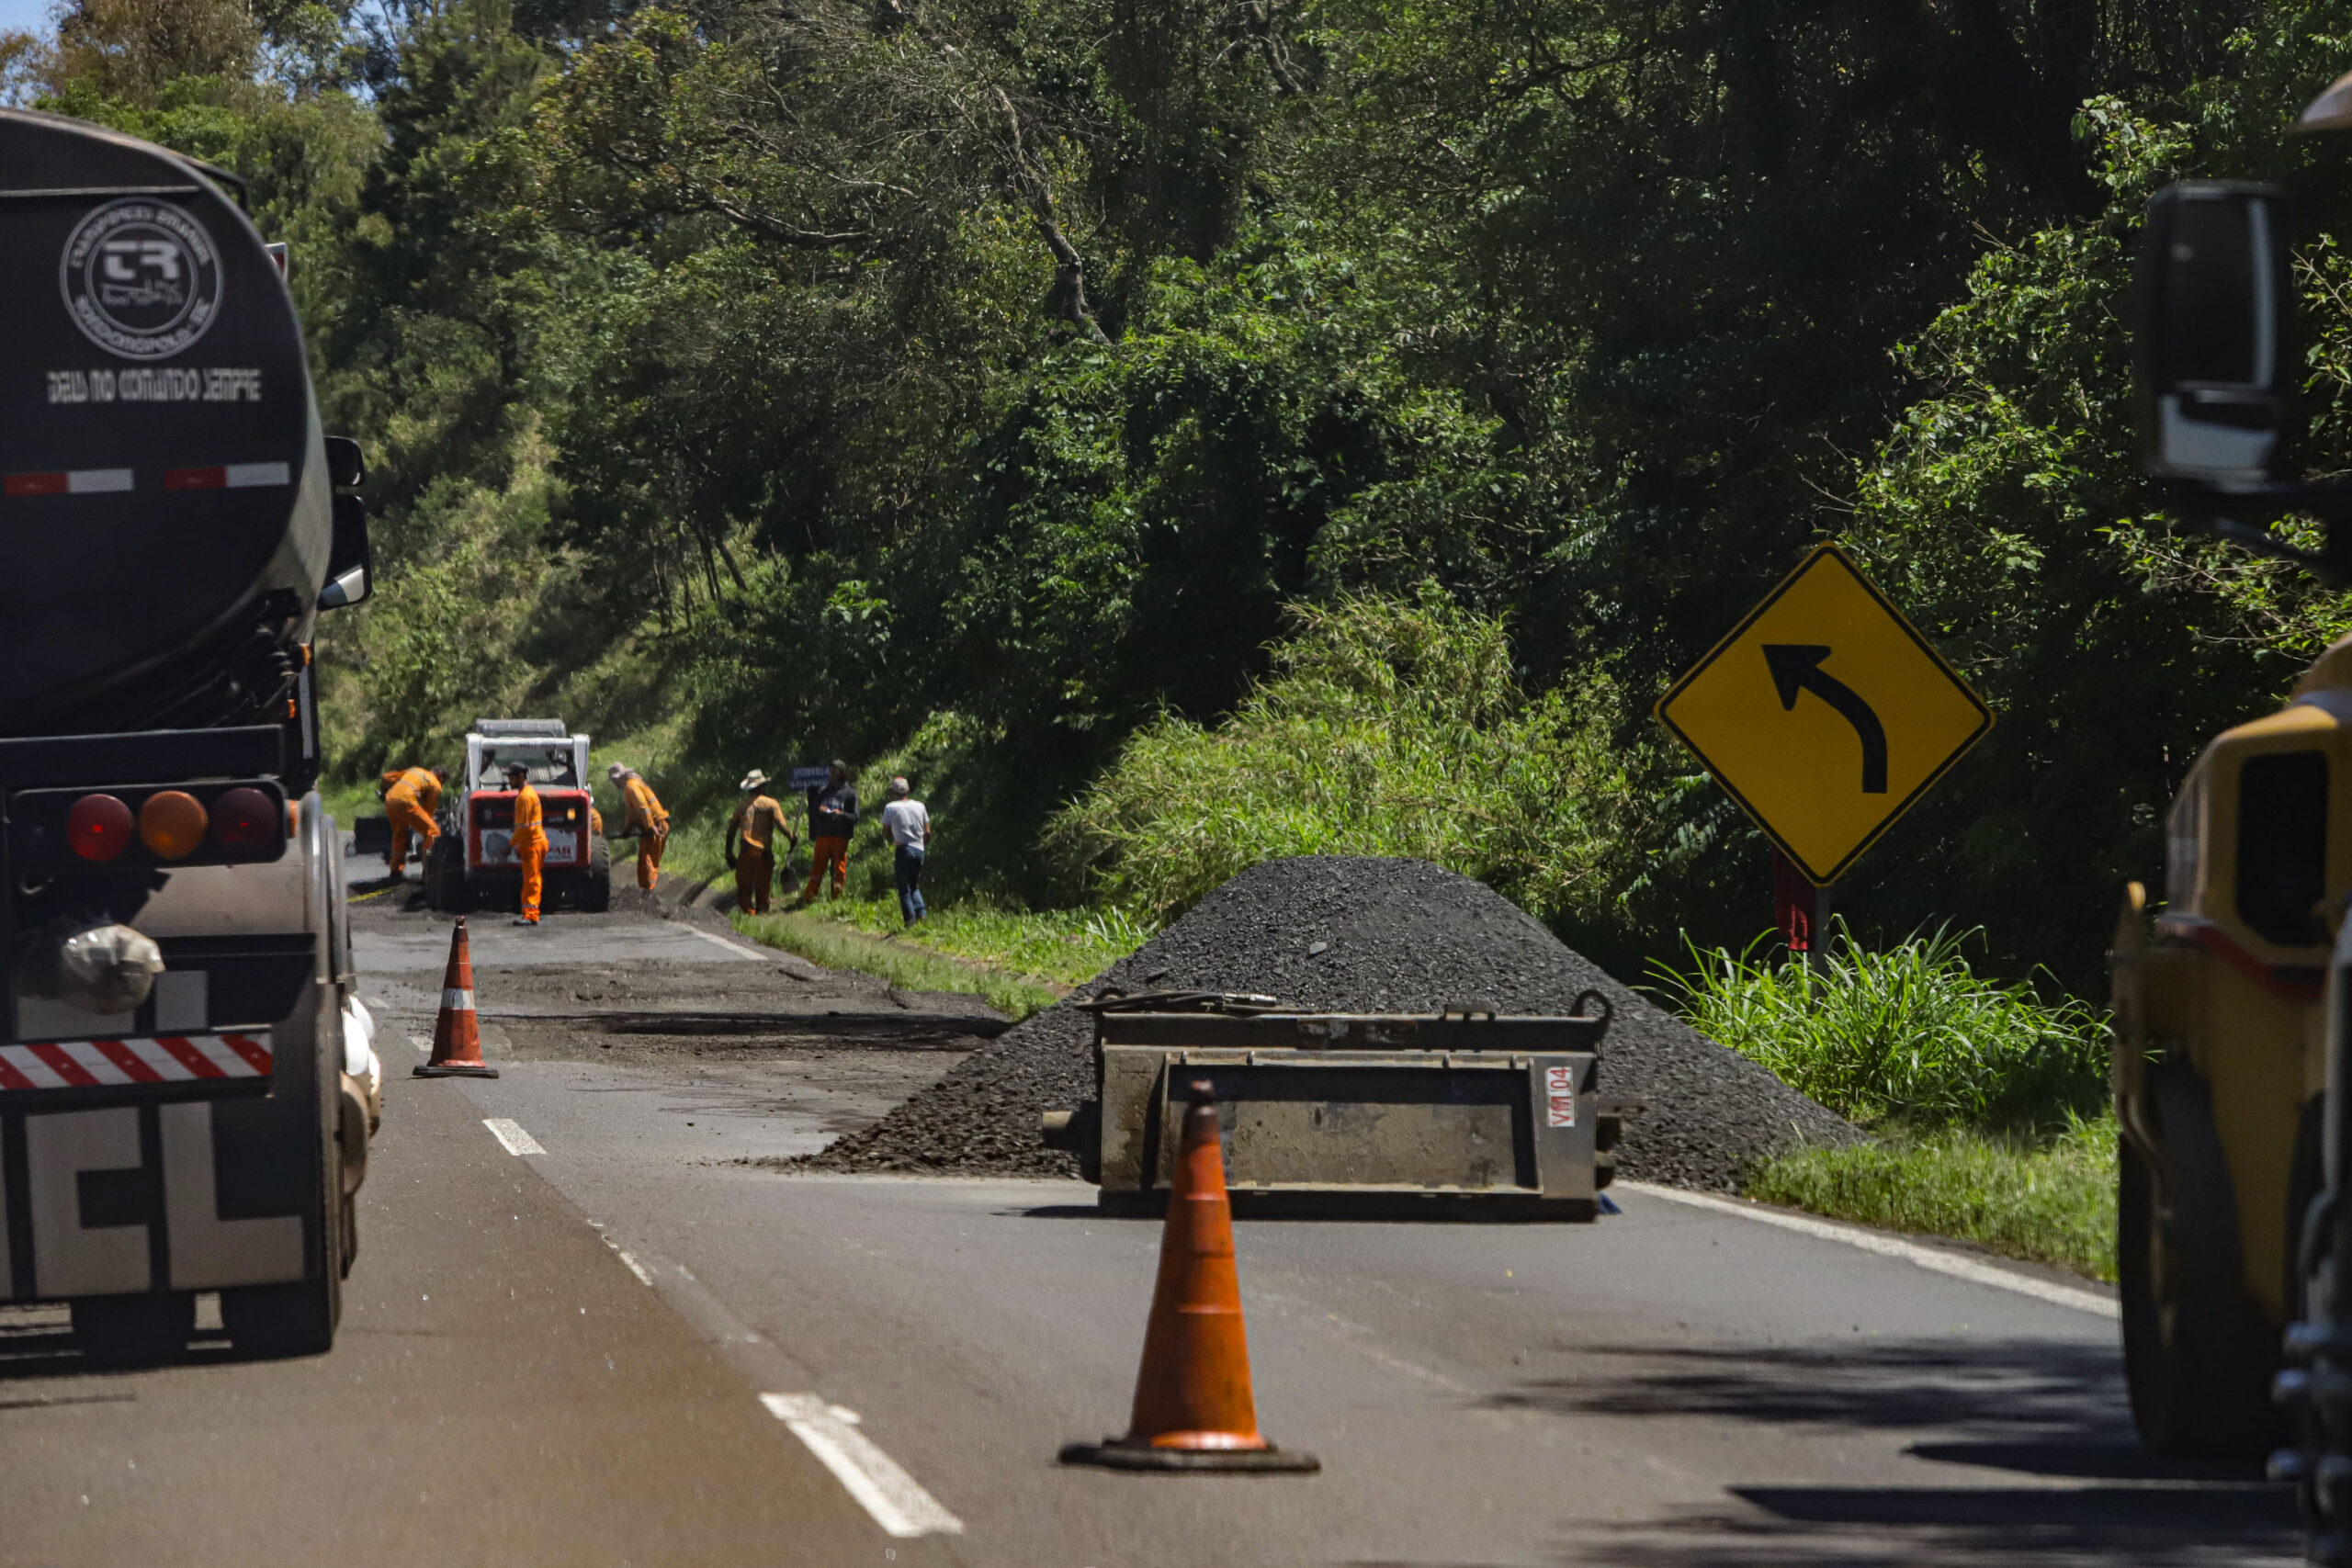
(98, 826)
(247, 825)
(172, 824)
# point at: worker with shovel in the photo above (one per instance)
(644, 820)
(757, 821)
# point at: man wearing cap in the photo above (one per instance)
(644, 820)
(832, 818)
(758, 820)
(412, 795)
(530, 839)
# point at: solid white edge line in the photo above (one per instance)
(734, 947)
(895, 1499)
(1890, 1247)
(509, 1132)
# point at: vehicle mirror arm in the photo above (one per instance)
(2329, 500)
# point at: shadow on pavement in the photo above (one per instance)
(2052, 1410)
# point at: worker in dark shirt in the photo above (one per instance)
(832, 818)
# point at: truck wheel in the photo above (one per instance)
(298, 1318)
(445, 878)
(129, 1331)
(2197, 1358)
(596, 889)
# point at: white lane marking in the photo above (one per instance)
(734, 947)
(423, 1043)
(509, 1132)
(644, 1275)
(896, 1499)
(1890, 1246)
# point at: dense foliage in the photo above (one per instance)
(988, 386)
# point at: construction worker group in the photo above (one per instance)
(412, 803)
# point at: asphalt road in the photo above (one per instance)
(557, 1355)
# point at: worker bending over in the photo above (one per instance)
(832, 818)
(644, 820)
(530, 839)
(757, 821)
(411, 802)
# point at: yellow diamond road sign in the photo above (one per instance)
(1825, 714)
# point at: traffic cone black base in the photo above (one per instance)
(1112, 1454)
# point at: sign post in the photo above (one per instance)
(1825, 715)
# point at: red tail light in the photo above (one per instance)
(99, 826)
(247, 825)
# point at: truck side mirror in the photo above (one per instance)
(350, 562)
(346, 467)
(2216, 387)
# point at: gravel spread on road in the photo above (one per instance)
(1345, 934)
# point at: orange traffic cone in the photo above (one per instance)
(456, 1037)
(1193, 1409)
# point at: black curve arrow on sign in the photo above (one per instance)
(1796, 667)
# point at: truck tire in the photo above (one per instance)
(2197, 1358)
(445, 877)
(270, 1322)
(596, 887)
(131, 1331)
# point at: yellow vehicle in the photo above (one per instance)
(2221, 1067)
(2233, 1007)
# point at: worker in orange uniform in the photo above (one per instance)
(832, 818)
(530, 839)
(412, 798)
(757, 821)
(644, 820)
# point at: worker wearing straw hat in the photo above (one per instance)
(757, 821)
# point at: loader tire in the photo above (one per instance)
(596, 884)
(2197, 1356)
(445, 877)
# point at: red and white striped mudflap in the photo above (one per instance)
(66, 481)
(456, 1033)
(116, 1064)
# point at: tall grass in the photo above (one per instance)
(1908, 1034)
(1389, 728)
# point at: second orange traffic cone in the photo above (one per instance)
(1193, 1408)
(457, 1034)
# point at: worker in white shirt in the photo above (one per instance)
(909, 826)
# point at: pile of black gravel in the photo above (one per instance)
(1355, 935)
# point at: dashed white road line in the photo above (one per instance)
(896, 1499)
(509, 1132)
(1890, 1247)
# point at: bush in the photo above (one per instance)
(1909, 1035)
(1388, 728)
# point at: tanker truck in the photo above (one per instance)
(185, 1095)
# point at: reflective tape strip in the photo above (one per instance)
(71, 482)
(59, 1060)
(457, 1002)
(229, 476)
(110, 1063)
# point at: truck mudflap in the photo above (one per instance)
(126, 1184)
(1479, 1117)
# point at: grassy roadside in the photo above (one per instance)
(1057, 947)
(840, 945)
(1985, 1100)
(2047, 1201)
